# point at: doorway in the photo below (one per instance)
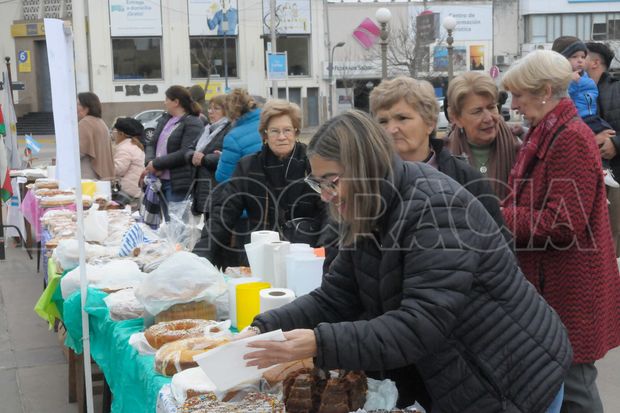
(44, 87)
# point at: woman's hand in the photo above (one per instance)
(606, 146)
(299, 345)
(197, 158)
(150, 168)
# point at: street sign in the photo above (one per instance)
(277, 66)
(18, 86)
(494, 72)
(24, 65)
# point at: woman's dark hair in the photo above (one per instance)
(91, 102)
(181, 94)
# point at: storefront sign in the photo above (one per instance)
(24, 64)
(292, 16)
(353, 69)
(27, 29)
(213, 17)
(135, 18)
(473, 22)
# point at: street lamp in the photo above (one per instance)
(331, 78)
(225, 30)
(383, 16)
(449, 23)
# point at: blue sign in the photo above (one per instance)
(22, 56)
(277, 66)
(32, 144)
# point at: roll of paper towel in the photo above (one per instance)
(275, 262)
(232, 296)
(264, 237)
(303, 273)
(271, 298)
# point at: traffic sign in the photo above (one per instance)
(277, 66)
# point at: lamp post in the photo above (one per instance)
(225, 30)
(331, 78)
(383, 16)
(449, 23)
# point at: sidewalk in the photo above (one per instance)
(33, 368)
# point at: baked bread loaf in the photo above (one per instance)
(203, 310)
(179, 355)
(165, 332)
(46, 183)
(280, 372)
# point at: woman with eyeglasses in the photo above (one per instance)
(424, 290)
(207, 154)
(408, 110)
(268, 185)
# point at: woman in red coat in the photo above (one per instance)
(557, 211)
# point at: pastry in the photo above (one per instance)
(179, 355)
(46, 183)
(253, 402)
(189, 383)
(278, 373)
(165, 332)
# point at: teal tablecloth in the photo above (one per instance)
(132, 378)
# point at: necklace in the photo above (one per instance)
(483, 167)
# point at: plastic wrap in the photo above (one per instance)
(124, 305)
(67, 253)
(182, 278)
(179, 355)
(115, 275)
(95, 225)
(181, 230)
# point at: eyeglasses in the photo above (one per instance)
(322, 185)
(275, 133)
(214, 108)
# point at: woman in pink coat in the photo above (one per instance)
(128, 156)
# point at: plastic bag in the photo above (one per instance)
(181, 230)
(123, 305)
(96, 225)
(382, 395)
(115, 275)
(67, 253)
(182, 278)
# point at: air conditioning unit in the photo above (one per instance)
(503, 60)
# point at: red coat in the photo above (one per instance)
(558, 214)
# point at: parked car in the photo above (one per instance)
(148, 119)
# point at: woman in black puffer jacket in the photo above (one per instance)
(424, 286)
(175, 137)
(207, 154)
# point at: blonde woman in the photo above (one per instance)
(557, 211)
(481, 136)
(421, 289)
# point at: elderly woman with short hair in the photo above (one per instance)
(557, 211)
(268, 185)
(407, 109)
(481, 136)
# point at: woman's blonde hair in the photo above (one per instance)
(219, 100)
(238, 103)
(279, 107)
(537, 70)
(468, 84)
(366, 153)
(419, 94)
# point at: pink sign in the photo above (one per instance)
(494, 72)
(367, 33)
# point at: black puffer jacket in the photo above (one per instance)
(181, 143)
(261, 182)
(439, 289)
(204, 175)
(609, 109)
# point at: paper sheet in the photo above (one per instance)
(225, 365)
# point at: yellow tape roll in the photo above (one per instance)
(248, 302)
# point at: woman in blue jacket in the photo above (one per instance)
(244, 138)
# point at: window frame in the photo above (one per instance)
(161, 59)
(216, 75)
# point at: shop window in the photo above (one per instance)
(207, 56)
(297, 49)
(136, 57)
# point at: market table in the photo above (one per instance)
(132, 377)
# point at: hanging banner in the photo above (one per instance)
(130, 18)
(213, 17)
(473, 21)
(292, 16)
(277, 66)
